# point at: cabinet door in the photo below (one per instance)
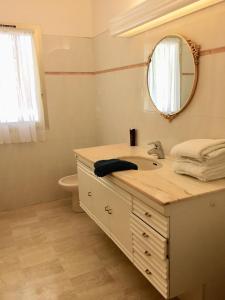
(93, 197)
(120, 222)
(117, 215)
(86, 189)
(101, 206)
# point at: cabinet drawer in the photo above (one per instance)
(161, 266)
(156, 280)
(159, 222)
(152, 239)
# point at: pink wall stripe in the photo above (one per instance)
(127, 67)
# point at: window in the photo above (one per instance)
(21, 109)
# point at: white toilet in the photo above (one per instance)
(70, 184)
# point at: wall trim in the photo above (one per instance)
(59, 73)
(133, 66)
(127, 67)
(212, 51)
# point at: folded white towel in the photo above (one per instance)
(200, 171)
(209, 162)
(200, 149)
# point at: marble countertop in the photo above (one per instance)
(161, 184)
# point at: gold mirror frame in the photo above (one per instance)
(195, 50)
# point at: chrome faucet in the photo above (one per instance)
(157, 149)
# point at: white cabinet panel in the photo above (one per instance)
(120, 221)
(86, 189)
(101, 205)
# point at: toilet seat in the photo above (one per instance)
(69, 183)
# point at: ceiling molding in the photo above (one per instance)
(153, 13)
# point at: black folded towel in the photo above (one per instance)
(105, 167)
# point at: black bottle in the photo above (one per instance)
(132, 137)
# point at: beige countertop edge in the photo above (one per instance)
(171, 199)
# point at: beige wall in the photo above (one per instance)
(122, 95)
(29, 172)
(67, 17)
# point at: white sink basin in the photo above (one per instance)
(142, 162)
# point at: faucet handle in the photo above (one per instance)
(157, 144)
(157, 149)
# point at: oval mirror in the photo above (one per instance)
(173, 74)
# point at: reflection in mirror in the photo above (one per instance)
(172, 75)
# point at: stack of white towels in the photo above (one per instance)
(200, 158)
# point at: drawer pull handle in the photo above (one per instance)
(148, 215)
(89, 194)
(147, 253)
(148, 272)
(108, 209)
(145, 235)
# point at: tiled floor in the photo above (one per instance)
(47, 252)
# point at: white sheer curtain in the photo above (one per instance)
(21, 111)
(164, 76)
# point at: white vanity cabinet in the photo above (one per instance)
(178, 247)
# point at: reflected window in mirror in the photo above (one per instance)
(165, 72)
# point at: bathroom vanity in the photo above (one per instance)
(170, 226)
